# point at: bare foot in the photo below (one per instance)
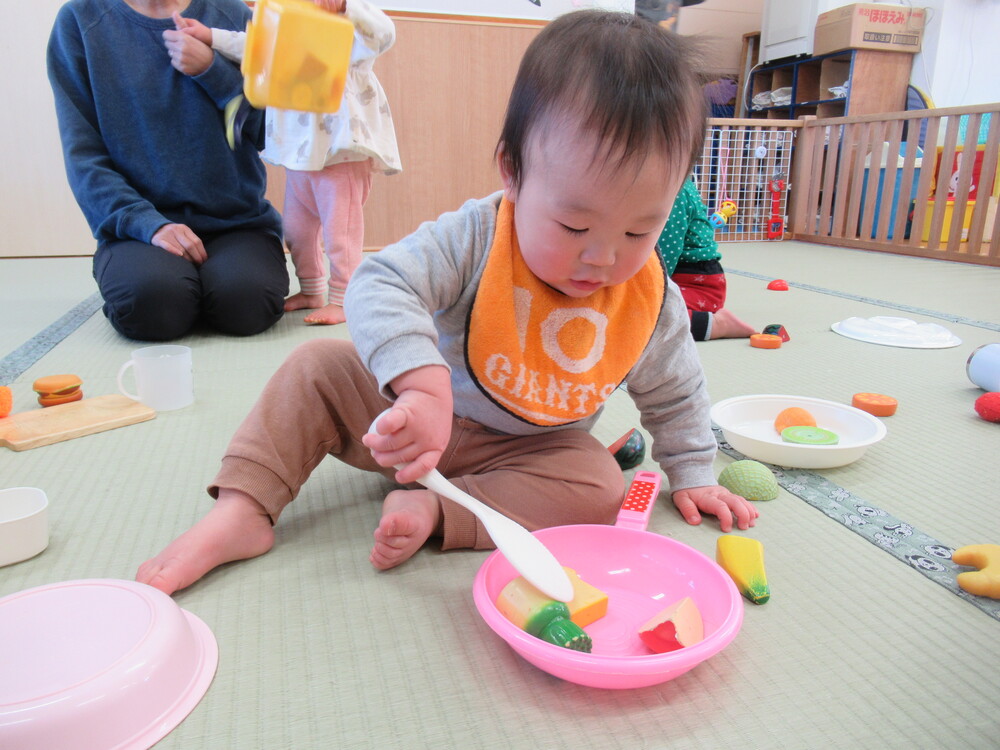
(236, 528)
(328, 315)
(725, 325)
(409, 517)
(302, 301)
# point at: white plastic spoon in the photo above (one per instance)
(524, 551)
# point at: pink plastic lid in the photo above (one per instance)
(99, 664)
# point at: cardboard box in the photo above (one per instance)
(896, 28)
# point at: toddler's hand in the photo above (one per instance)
(717, 501)
(189, 55)
(193, 27)
(416, 429)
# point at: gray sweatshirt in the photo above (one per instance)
(408, 306)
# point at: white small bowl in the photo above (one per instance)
(99, 664)
(747, 423)
(24, 523)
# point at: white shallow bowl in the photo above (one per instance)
(98, 664)
(747, 423)
(24, 523)
(902, 332)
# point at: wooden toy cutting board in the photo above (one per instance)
(53, 424)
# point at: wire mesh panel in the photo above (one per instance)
(742, 176)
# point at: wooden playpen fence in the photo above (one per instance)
(901, 183)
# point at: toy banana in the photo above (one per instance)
(986, 580)
(743, 559)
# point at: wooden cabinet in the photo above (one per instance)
(873, 81)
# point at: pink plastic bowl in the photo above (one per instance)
(98, 664)
(642, 573)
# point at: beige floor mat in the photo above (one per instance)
(856, 649)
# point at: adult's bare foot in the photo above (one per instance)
(725, 325)
(236, 528)
(328, 315)
(409, 517)
(302, 301)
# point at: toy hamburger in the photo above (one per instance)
(58, 389)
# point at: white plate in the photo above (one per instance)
(747, 423)
(901, 332)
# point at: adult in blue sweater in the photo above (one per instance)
(183, 230)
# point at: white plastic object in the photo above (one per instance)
(98, 664)
(24, 523)
(747, 423)
(983, 367)
(902, 332)
(524, 551)
(163, 377)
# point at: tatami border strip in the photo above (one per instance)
(14, 364)
(873, 301)
(917, 549)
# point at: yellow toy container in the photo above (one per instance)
(296, 56)
(949, 210)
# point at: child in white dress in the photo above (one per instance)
(329, 161)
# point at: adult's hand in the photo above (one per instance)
(180, 240)
(188, 54)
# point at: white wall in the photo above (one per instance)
(959, 63)
(721, 24)
(40, 216)
(524, 9)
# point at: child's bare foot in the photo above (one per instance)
(302, 301)
(409, 517)
(236, 528)
(328, 315)
(725, 325)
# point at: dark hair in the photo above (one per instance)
(626, 80)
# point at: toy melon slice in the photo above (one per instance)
(675, 627)
(749, 479)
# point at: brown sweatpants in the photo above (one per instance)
(322, 401)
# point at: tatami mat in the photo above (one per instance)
(855, 649)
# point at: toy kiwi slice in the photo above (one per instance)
(809, 435)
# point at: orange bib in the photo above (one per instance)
(547, 358)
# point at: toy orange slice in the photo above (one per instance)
(875, 404)
(765, 341)
(793, 416)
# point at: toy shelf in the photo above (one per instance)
(875, 82)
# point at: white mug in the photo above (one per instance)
(163, 376)
(983, 367)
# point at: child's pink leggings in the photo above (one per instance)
(325, 209)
